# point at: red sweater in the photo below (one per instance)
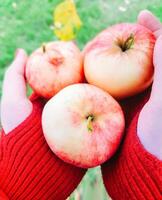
(133, 173)
(29, 169)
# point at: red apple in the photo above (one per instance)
(83, 125)
(120, 59)
(54, 66)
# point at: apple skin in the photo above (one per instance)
(121, 73)
(53, 67)
(65, 125)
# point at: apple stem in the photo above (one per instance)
(89, 123)
(44, 48)
(128, 43)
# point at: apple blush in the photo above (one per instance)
(83, 125)
(54, 66)
(120, 60)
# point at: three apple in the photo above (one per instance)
(82, 123)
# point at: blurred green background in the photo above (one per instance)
(29, 23)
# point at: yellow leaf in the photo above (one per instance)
(66, 20)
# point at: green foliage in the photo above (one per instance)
(27, 24)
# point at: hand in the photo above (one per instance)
(14, 99)
(135, 171)
(149, 126)
(28, 168)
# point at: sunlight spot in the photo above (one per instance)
(58, 25)
(14, 5)
(122, 9)
(51, 27)
(127, 1)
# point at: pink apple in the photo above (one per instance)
(120, 59)
(83, 125)
(54, 66)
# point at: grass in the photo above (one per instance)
(28, 24)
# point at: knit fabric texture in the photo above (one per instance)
(133, 173)
(29, 170)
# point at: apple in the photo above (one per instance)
(53, 66)
(83, 125)
(120, 60)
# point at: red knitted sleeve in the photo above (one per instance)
(133, 173)
(29, 169)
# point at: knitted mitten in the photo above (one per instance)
(29, 170)
(133, 173)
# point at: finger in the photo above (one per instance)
(147, 19)
(20, 61)
(156, 93)
(14, 84)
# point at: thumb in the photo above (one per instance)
(20, 61)
(15, 106)
(157, 60)
(147, 19)
(149, 123)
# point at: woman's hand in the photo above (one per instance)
(28, 168)
(149, 128)
(15, 106)
(135, 171)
